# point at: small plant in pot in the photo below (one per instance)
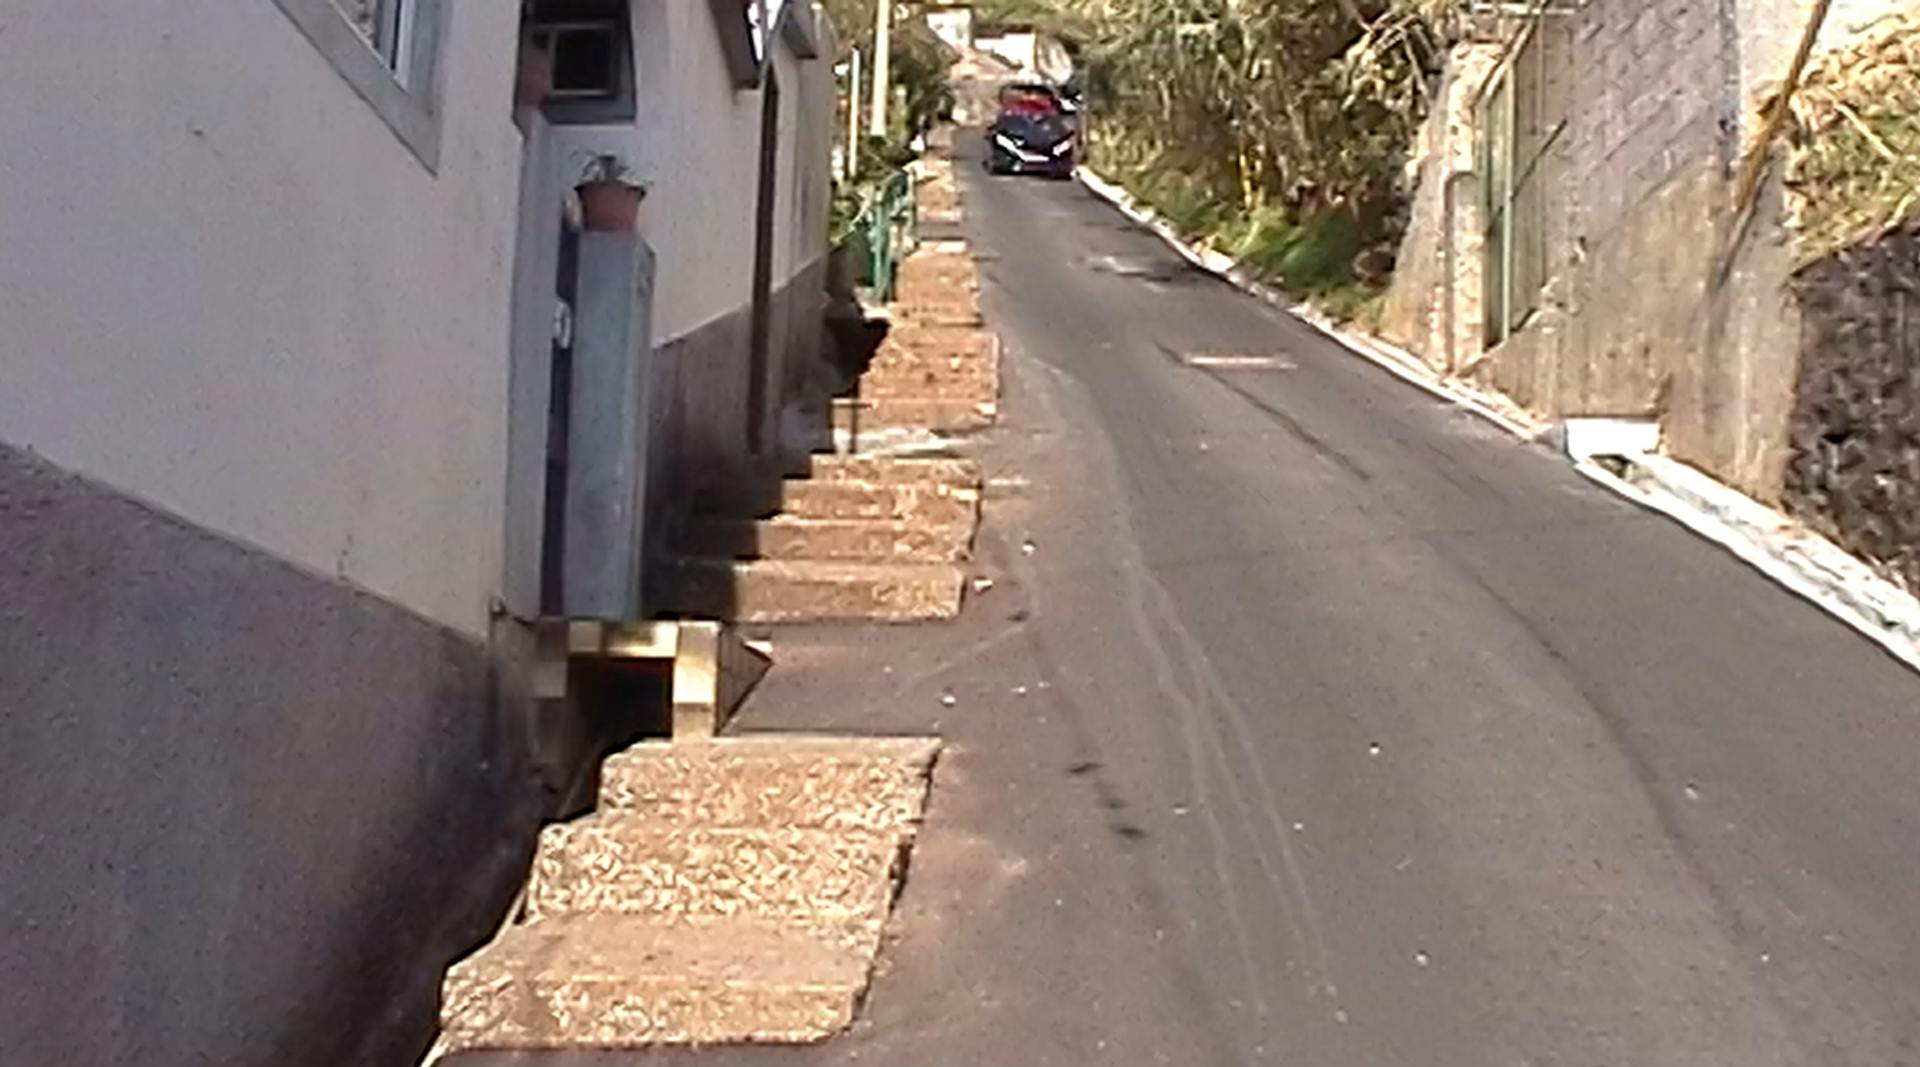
(610, 197)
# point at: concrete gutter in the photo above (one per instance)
(1620, 454)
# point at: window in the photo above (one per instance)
(590, 47)
(387, 51)
(383, 24)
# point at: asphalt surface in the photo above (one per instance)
(1312, 721)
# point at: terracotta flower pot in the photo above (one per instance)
(608, 206)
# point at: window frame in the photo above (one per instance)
(403, 88)
(623, 106)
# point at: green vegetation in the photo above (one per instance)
(919, 61)
(1311, 256)
(880, 160)
(1275, 130)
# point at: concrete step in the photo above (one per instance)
(897, 470)
(858, 784)
(913, 340)
(948, 311)
(611, 981)
(883, 414)
(851, 540)
(777, 591)
(951, 269)
(622, 862)
(930, 503)
(931, 380)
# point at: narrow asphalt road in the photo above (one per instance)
(1312, 721)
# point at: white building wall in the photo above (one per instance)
(953, 25)
(699, 214)
(230, 290)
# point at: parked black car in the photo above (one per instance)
(1029, 137)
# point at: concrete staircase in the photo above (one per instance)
(735, 890)
(727, 891)
(864, 535)
(938, 371)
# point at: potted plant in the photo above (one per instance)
(609, 197)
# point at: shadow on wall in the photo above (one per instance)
(702, 459)
(223, 863)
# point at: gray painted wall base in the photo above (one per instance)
(700, 385)
(249, 812)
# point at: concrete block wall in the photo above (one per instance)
(1657, 304)
(1647, 95)
(1635, 175)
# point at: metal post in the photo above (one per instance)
(1753, 167)
(882, 65)
(853, 120)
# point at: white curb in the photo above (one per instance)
(1794, 557)
(1806, 564)
(1390, 358)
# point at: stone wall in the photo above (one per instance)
(1434, 307)
(1625, 99)
(1854, 470)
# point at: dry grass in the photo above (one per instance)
(1854, 163)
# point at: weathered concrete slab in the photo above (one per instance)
(889, 470)
(882, 414)
(609, 981)
(852, 540)
(910, 339)
(929, 503)
(932, 379)
(929, 272)
(775, 591)
(958, 310)
(864, 784)
(620, 862)
(725, 892)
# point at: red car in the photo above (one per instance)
(1032, 134)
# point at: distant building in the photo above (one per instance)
(953, 24)
(1034, 55)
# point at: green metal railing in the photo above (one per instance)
(890, 225)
